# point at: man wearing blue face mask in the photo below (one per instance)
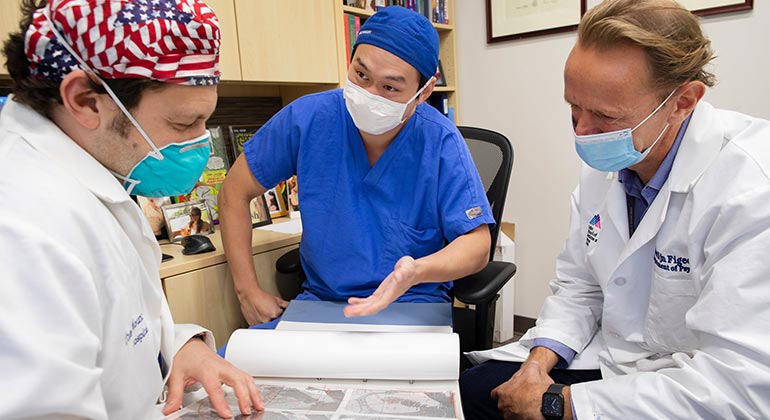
(95, 116)
(386, 181)
(660, 298)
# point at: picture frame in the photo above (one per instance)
(292, 193)
(714, 7)
(180, 220)
(517, 19)
(260, 215)
(274, 199)
(441, 79)
(153, 212)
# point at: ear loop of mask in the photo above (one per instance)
(656, 110)
(155, 152)
(418, 94)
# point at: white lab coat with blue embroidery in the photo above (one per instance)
(83, 317)
(678, 316)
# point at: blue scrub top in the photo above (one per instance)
(358, 220)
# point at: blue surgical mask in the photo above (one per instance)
(171, 170)
(175, 174)
(614, 150)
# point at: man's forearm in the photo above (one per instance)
(235, 225)
(544, 357)
(466, 255)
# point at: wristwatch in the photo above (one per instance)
(553, 403)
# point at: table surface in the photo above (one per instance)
(261, 241)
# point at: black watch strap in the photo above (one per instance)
(553, 403)
(555, 388)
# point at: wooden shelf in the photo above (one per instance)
(444, 89)
(356, 11)
(443, 26)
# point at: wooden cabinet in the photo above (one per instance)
(288, 42)
(284, 48)
(205, 297)
(299, 47)
(10, 16)
(229, 55)
(199, 288)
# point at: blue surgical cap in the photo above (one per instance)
(404, 33)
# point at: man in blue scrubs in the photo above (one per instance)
(393, 208)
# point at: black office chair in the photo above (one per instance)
(493, 155)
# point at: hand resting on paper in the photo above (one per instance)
(258, 306)
(403, 277)
(196, 362)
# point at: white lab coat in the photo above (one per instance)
(680, 313)
(83, 317)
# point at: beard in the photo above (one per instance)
(120, 126)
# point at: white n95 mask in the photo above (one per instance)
(374, 114)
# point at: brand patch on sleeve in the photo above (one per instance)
(473, 213)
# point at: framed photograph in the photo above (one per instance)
(713, 7)
(187, 218)
(292, 190)
(441, 80)
(516, 19)
(153, 211)
(260, 215)
(274, 200)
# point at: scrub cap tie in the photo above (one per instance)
(171, 41)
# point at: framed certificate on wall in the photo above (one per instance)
(516, 19)
(713, 7)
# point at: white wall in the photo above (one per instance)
(515, 88)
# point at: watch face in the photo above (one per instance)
(552, 405)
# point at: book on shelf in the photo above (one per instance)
(346, 375)
(240, 134)
(352, 26)
(440, 101)
(368, 5)
(347, 38)
(309, 315)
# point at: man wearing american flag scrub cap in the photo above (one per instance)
(110, 98)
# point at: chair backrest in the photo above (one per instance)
(493, 155)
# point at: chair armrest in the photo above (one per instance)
(483, 286)
(289, 262)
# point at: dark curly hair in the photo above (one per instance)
(42, 95)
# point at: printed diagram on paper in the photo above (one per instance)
(330, 402)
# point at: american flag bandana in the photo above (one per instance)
(172, 41)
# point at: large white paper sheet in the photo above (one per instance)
(291, 227)
(345, 355)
